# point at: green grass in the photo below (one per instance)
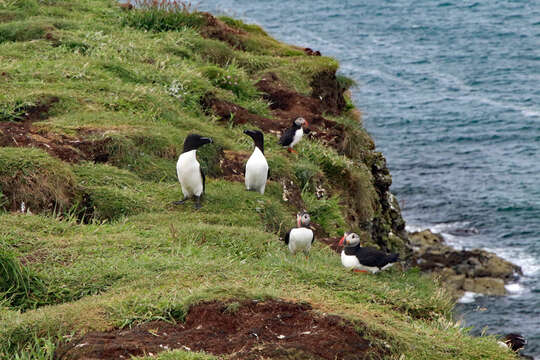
(104, 247)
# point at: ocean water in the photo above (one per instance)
(450, 91)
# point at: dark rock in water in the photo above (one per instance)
(474, 270)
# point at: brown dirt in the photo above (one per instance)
(224, 109)
(292, 193)
(245, 330)
(311, 52)
(332, 243)
(66, 148)
(326, 88)
(218, 30)
(22, 133)
(232, 165)
(286, 105)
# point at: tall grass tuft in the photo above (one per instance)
(159, 16)
(17, 284)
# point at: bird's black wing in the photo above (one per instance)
(287, 137)
(372, 257)
(287, 237)
(203, 179)
(313, 238)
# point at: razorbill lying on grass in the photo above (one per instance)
(293, 135)
(256, 172)
(189, 171)
(364, 259)
(302, 237)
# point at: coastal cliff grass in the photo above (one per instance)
(103, 246)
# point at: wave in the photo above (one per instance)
(469, 297)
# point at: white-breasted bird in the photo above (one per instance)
(189, 170)
(302, 237)
(256, 171)
(293, 135)
(364, 259)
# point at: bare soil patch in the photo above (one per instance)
(22, 133)
(332, 243)
(66, 148)
(232, 165)
(242, 330)
(286, 105)
(218, 30)
(311, 52)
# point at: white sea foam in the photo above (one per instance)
(530, 113)
(515, 288)
(528, 263)
(468, 297)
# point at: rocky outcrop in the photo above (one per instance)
(476, 270)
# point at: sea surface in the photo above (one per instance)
(450, 91)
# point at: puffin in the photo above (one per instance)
(256, 171)
(301, 237)
(294, 134)
(364, 259)
(189, 170)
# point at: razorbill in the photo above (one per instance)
(302, 237)
(294, 134)
(256, 167)
(364, 259)
(189, 171)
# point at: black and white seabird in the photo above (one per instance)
(189, 171)
(302, 237)
(256, 172)
(364, 259)
(293, 135)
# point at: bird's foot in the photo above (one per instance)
(198, 203)
(360, 271)
(179, 202)
(291, 150)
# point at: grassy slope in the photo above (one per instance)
(137, 257)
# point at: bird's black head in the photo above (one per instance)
(258, 138)
(300, 122)
(195, 141)
(303, 219)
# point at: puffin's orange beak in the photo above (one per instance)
(298, 219)
(341, 241)
(306, 124)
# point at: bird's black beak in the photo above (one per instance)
(209, 140)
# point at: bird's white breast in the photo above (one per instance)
(300, 239)
(256, 171)
(297, 137)
(352, 262)
(189, 174)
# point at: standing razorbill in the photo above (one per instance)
(256, 172)
(364, 259)
(302, 237)
(294, 134)
(189, 171)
